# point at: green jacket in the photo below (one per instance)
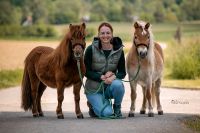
(98, 62)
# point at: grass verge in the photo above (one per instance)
(182, 84)
(9, 78)
(192, 122)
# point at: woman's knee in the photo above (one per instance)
(118, 86)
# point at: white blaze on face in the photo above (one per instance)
(143, 31)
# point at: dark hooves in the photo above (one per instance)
(131, 115)
(60, 116)
(160, 113)
(41, 115)
(150, 114)
(142, 112)
(35, 115)
(80, 116)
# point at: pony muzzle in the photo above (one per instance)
(142, 52)
(78, 51)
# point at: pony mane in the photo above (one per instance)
(63, 52)
(150, 55)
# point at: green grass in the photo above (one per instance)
(181, 84)
(9, 78)
(192, 122)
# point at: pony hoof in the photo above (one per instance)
(60, 116)
(142, 112)
(160, 112)
(150, 114)
(131, 115)
(41, 115)
(35, 115)
(80, 116)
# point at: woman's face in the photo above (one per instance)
(105, 34)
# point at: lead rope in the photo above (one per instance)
(94, 92)
(99, 88)
(138, 69)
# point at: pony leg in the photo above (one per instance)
(41, 89)
(34, 93)
(144, 103)
(76, 91)
(133, 97)
(60, 94)
(148, 94)
(157, 94)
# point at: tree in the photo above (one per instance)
(190, 10)
(9, 14)
(65, 12)
(99, 10)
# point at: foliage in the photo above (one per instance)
(90, 32)
(190, 10)
(8, 13)
(10, 78)
(66, 11)
(192, 122)
(28, 31)
(185, 63)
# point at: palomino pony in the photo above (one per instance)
(145, 59)
(56, 68)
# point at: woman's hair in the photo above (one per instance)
(105, 24)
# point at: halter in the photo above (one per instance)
(74, 44)
(141, 44)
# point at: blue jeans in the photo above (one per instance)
(100, 103)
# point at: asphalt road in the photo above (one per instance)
(177, 104)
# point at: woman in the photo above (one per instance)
(105, 65)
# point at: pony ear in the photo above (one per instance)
(147, 25)
(70, 25)
(83, 24)
(136, 25)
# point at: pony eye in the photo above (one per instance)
(135, 37)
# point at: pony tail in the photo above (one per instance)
(26, 100)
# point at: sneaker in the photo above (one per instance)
(117, 110)
(91, 113)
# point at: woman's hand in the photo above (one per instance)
(109, 74)
(110, 79)
(103, 77)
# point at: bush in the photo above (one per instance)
(39, 31)
(90, 32)
(185, 63)
(10, 30)
(27, 31)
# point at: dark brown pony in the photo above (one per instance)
(56, 68)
